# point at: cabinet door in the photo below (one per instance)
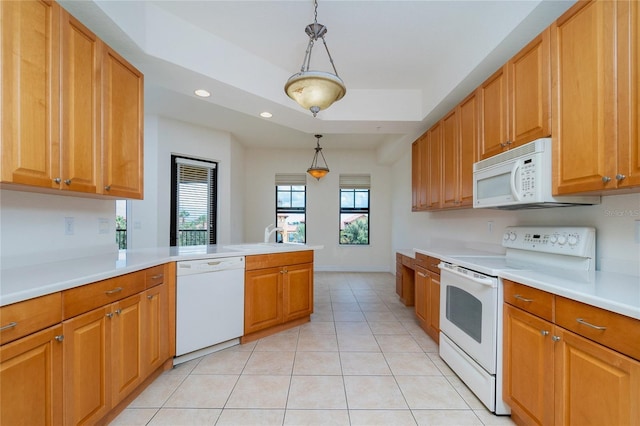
(433, 311)
(469, 133)
(155, 347)
(80, 103)
(583, 52)
(122, 118)
(529, 77)
(422, 286)
(298, 292)
(594, 385)
(493, 114)
(126, 347)
(450, 163)
(86, 367)
(31, 379)
(399, 279)
(262, 299)
(30, 135)
(528, 367)
(434, 167)
(628, 93)
(415, 175)
(420, 173)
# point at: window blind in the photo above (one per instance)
(355, 181)
(294, 179)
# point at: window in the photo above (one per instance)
(291, 206)
(193, 201)
(121, 224)
(354, 209)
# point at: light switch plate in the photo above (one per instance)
(69, 225)
(103, 225)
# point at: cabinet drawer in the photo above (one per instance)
(154, 276)
(29, 316)
(399, 257)
(532, 300)
(87, 297)
(273, 260)
(409, 262)
(428, 262)
(610, 329)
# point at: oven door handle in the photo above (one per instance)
(489, 282)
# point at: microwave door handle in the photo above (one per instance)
(514, 176)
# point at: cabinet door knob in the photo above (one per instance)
(67, 181)
(59, 337)
(556, 338)
(107, 188)
(118, 311)
(150, 296)
(620, 176)
(544, 332)
(606, 179)
(57, 180)
(110, 315)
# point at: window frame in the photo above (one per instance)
(290, 209)
(354, 184)
(212, 207)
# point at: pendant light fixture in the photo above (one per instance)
(315, 90)
(316, 170)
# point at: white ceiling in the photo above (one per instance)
(405, 63)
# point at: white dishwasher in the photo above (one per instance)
(209, 306)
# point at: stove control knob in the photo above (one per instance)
(513, 236)
(562, 240)
(553, 239)
(573, 239)
(505, 237)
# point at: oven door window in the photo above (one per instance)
(465, 311)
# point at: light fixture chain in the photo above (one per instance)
(315, 11)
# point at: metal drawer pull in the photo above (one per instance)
(8, 326)
(524, 299)
(115, 290)
(583, 322)
(155, 277)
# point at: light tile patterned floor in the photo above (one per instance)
(362, 360)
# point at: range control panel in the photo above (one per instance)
(569, 240)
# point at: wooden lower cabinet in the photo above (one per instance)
(553, 376)
(594, 385)
(31, 379)
(155, 344)
(528, 367)
(278, 292)
(427, 302)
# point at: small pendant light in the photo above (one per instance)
(316, 170)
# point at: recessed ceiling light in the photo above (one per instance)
(202, 93)
(266, 114)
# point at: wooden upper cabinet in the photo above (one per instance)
(595, 63)
(493, 114)
(515, 104)
(415, 174)
(450, 164)
(583, 46)
(468, 147)
(434, 166)
(122, 116)
(628, 93)
(30, 46)
(72, 109)
(80, 104)
(529, 79)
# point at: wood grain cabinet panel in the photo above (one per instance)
(493, 114)
(297, 292)
(31, 390)
(155, 341)
(469, 134)
(450, 156)
(23, 318)
(30, 55)
(434, 167)
(122, 118)
(80, 105)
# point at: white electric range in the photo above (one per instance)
(471, 299)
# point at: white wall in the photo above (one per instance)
(614, 220)
(322, 223)
(164, 137)
(33, 224)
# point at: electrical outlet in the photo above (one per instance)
(69, 225)
(490, 226)
(637, 222)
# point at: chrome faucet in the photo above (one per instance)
(268, 231)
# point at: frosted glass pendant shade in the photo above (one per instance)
(315, 90)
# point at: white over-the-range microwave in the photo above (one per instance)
(520, 178)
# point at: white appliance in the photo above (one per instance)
(471, 300)
(520, 178)
(209, 306)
